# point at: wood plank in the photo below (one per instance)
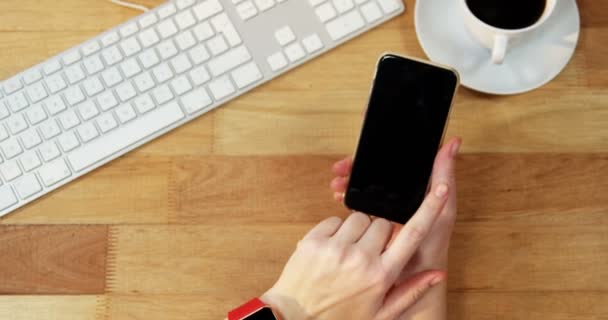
(204, 259)
(462, 305)
(132, 189)
(252, 189)
(52, 259)
(587, 305)
(56, 307)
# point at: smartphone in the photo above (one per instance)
(402, 130)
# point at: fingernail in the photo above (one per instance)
(436, 280)
(455, 148)
(441, 190)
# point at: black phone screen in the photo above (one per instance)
(402, 130)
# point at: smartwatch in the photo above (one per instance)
(254, 309)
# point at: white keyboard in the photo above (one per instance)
(97, 101)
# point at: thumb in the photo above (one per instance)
(404, 295)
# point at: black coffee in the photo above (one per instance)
(508, 14)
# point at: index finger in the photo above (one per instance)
(415, 230)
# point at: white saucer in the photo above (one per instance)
(529, 64)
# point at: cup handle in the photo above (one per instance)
(500, 48)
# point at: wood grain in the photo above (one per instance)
(56, 307)
(204, 218)
(52, 259)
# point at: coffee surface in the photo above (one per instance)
(508, 14)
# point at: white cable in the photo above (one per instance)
(130, 5)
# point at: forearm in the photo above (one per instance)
(432, 306)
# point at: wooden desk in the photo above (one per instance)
(203, 218)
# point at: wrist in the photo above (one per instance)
(286, 308)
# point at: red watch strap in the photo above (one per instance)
(246, 309)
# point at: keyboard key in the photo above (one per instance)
(144, 104)
(17, 101)
(181, 4)
(203, 31)
(217, 45)
(148, 38)
(12, 85)
(371, 12)
(68, 141)
(30, 161)
(148, 58)
(125, 113)
(315, 3)
(87, 132)
(181, 85)
(36, 92)
(7, 197)
(207, 8)
(54, 172)
(27, 186)
(10, 170)
(222, 24)
(162, 94)
(73, 95)
(55, 83)
(181, 63)
(247, 10)
(106, 122)
(389, 6)
(54, 105)
(199, 54)
(49, 129)
(343, 5)
(345, 25)
(68, 119)
(162, 73)
(277, 61)
(11, 148)
(125, 91)
(144, 82)
(129, 29)
(246, 75)
(3, 135)
(110, 38)
(284, 35)
(167, 49)
(74, 74)
(35, 114)
(167, 10)
(111, 55)
(87, 110)
(51, 67)
(196, 100)
(107, 101)
(229, 60)
(16, 123)
(4, 111)
(294, 52)
(30, 138)
(49, 151)
(93, 64)
(166, 29)
(125, 136)
(71, 57)
(199, 75)
(312, 43)
(32, 76)
(91, 47)
(92, 86)
(185, 20)
(221, 88)
(130, 47)
(111, 77)
(148, 20)
(326, 12)
(185, 40)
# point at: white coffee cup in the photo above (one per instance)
(497, 39)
